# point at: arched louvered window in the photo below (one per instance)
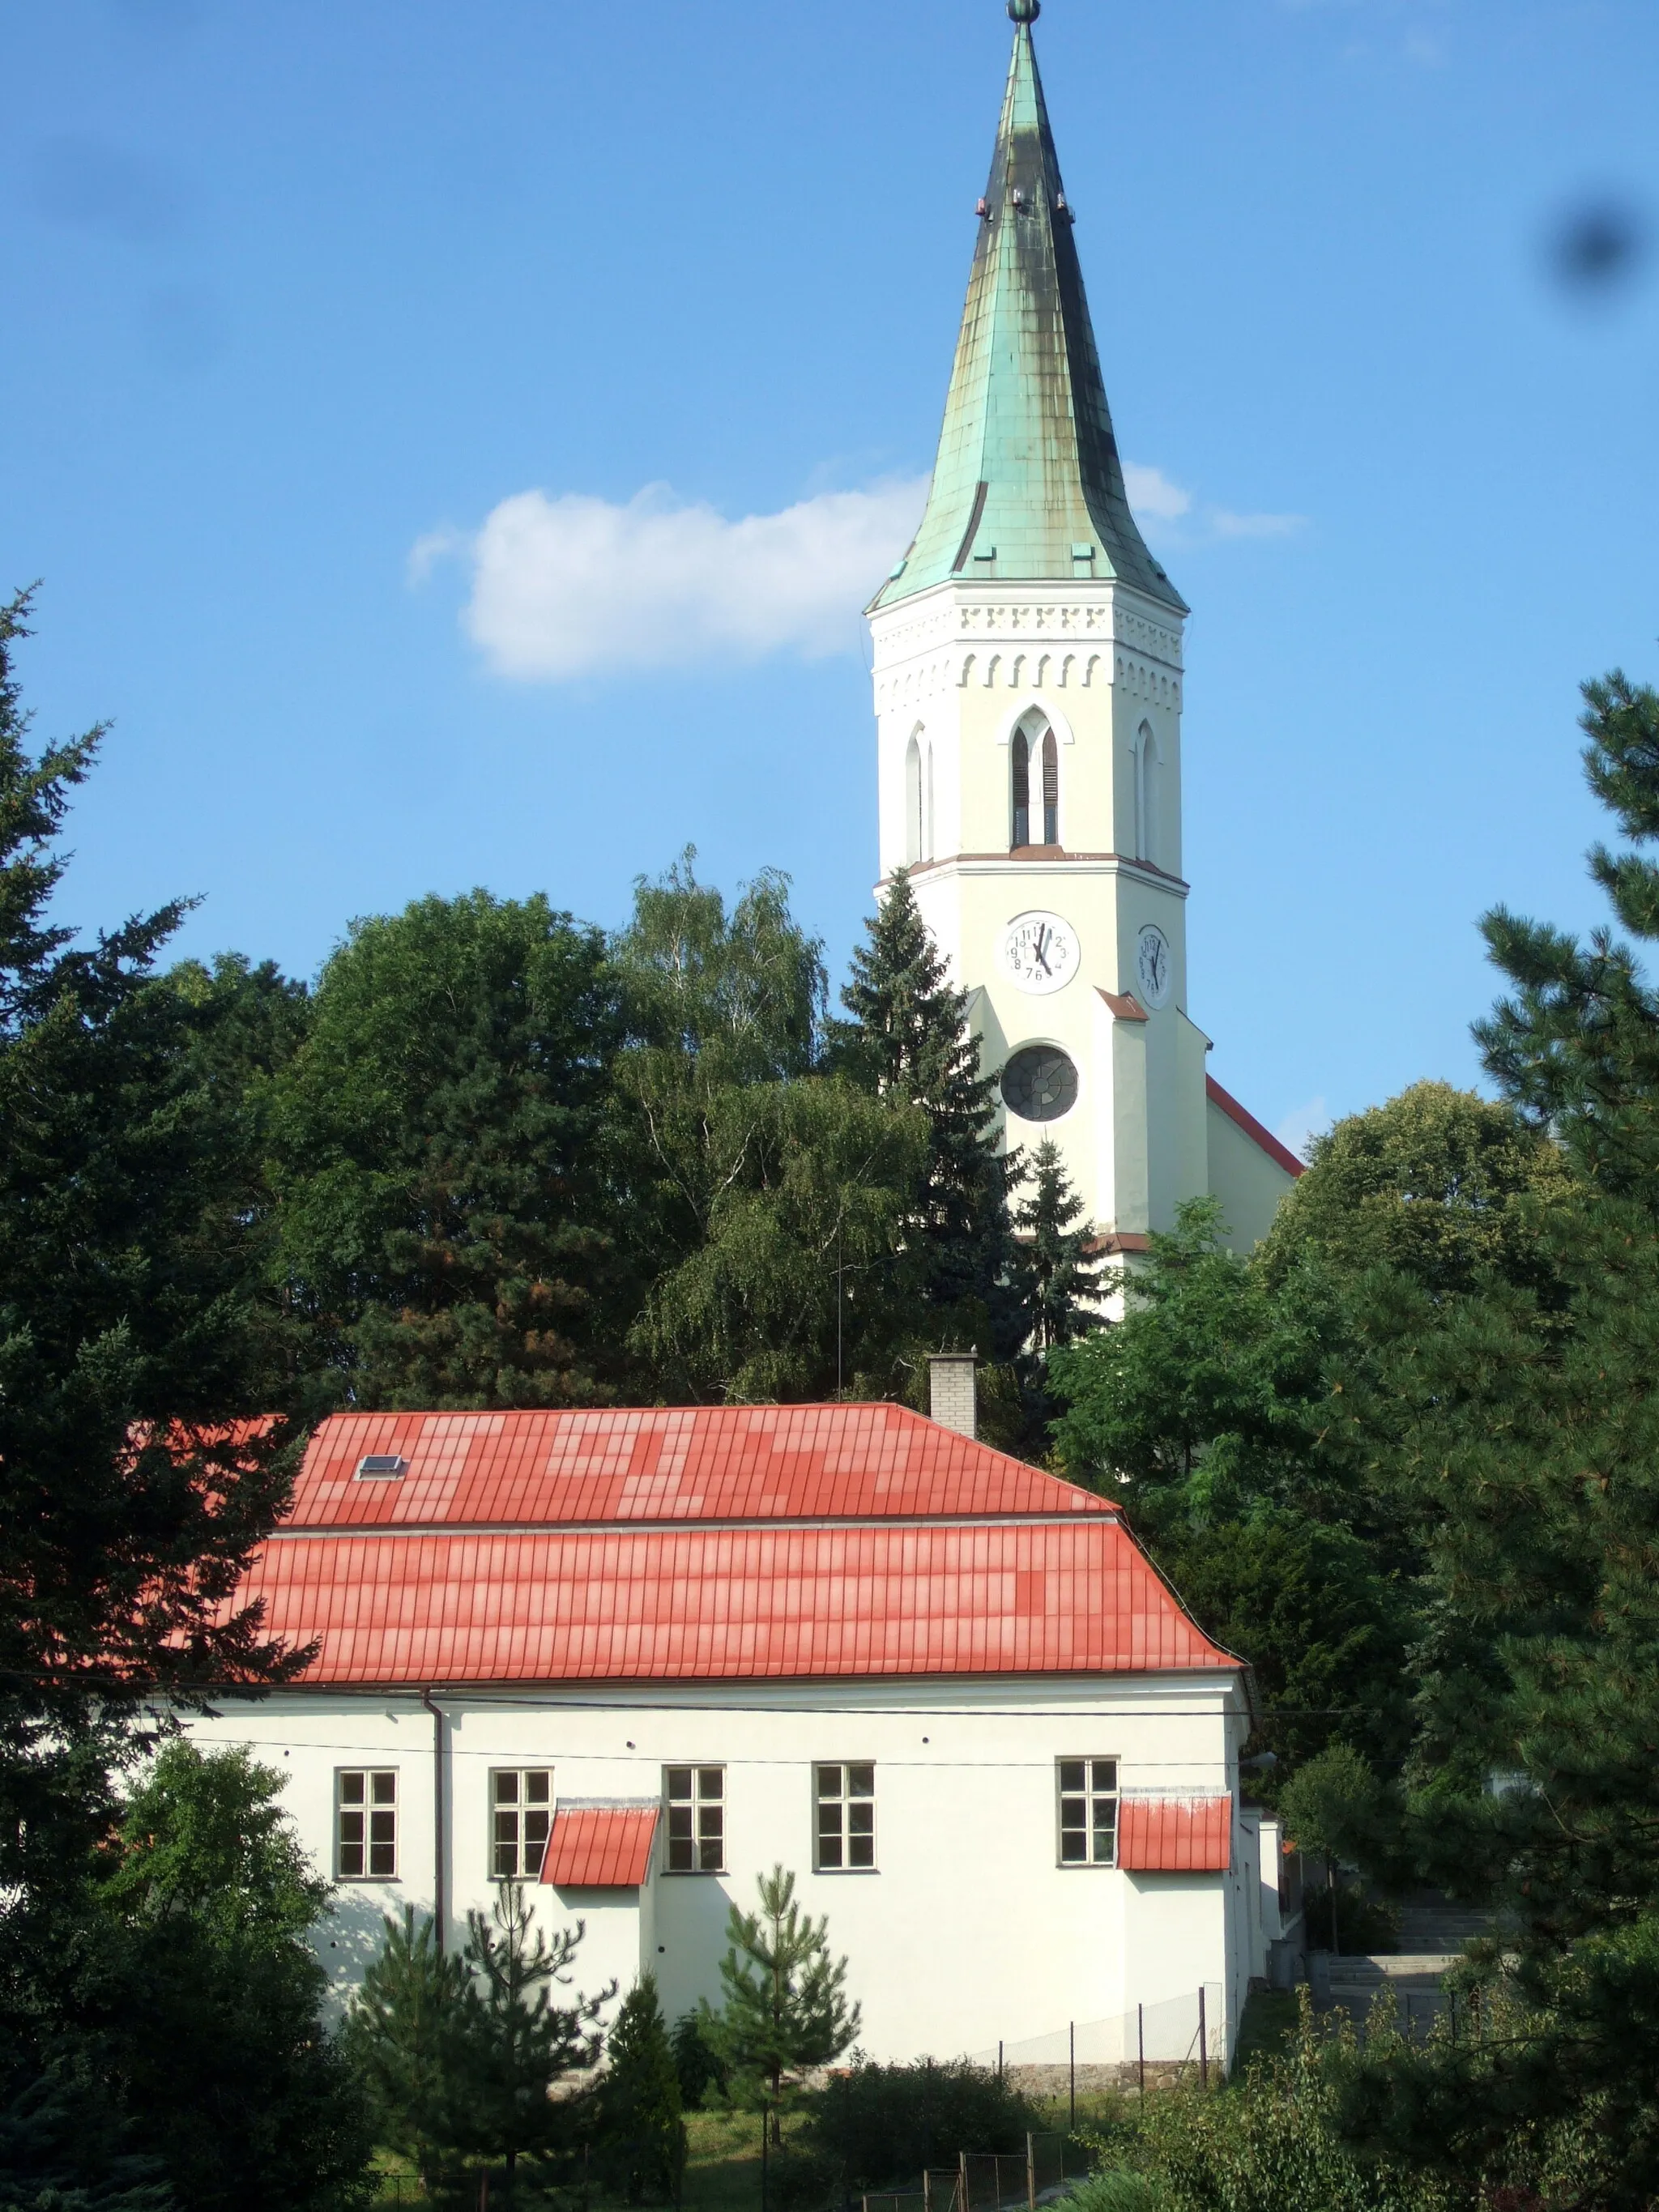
(930, 825)
(1022, 782)
(1050, 789)
(912, 803)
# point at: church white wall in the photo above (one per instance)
(1249, 1183)
(968, 1933)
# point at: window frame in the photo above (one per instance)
(1093, 1794)
(696, 1803)
(519, 1807)
(365, 1808)
(846, 1798)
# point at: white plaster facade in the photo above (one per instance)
(968, 1932)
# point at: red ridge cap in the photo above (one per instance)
(1280, 1155)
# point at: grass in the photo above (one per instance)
(1268, 2026)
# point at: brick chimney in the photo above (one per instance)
(951, 1397)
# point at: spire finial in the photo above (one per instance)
(1025, 11)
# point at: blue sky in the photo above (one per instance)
(294, 301)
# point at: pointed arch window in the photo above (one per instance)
(930, 827)
(1050, 789)
(1148, 828)
(1022, 790)
(912, 803)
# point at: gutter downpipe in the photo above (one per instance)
(438, 1902)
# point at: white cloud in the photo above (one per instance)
(1158, 502)
(1302, 1124)
(1151, 493)
(563, 586)
(1224, 523)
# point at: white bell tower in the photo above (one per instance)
(1028, 690)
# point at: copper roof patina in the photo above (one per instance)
(1028, 484)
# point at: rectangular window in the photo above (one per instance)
(1087, 1811)
(520, 1821)
(845, 1834)
(696, 1819)
(366, 1821)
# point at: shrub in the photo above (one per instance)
(696, 2063)
(1116, 2189)
(641, 2136)
(877, 2124)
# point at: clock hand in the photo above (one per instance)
(1041, 962)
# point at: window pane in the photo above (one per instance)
(679, 1782)
(830, 1818)
(829, 1850)
(1072, 1771)
(711, 1782)
(351, 1789)
(709, 1822)
(506, 1827)
(860, 1781)
(1072, 1813)
(1073, 1847)
(679, 1819)
(382, 1860)
(1105, 1774)
(352, 1827)
(351, 1862)
(506, 1861)
(862, 1851)
(537, 1827)
(382, 1827)
(828, 1782)
(679, 1855)
(710, 1853)
(507, 1788)
(538, 1789)
(385, 1788)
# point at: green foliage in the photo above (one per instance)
(1115, 2189)
(876, 2126)
(1434, 1184)
(908, 1043)
(437, 1159)
(773, 1198)
(56, 2156)
(405, 2034)
(641, 2136)
(784, 2009)
(207, 1996)
(517, 2042)
(1343, 1917)
(1056, 1274)
(697, 2066)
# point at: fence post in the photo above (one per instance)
(963, 2196)
(1030, 2173)
(998, 2058)
(1071, 2026)
(1203, 2043)
(1140, 2044)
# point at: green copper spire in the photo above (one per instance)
(1028, 484)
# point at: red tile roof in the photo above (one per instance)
(600, 1846)
(678, 1463)
(728, 1544)
(1176, 1835)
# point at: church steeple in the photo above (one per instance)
(1028, 484)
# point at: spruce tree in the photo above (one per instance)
(641, 2132)
(1057, 1271)
(784, 2008)
(909, 1040)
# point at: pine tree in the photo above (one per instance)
(518, 2043)
(1056, 1270)
(785, 2007)
(405, 2034)
(642, 2134)
(908, 1039)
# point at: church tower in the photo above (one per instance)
(1028, 682)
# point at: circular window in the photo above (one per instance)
(1039, 1083)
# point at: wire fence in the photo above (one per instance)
(1152, 2043)
(987, 2181)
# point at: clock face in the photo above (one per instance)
(1153, 965)
(1041, 952)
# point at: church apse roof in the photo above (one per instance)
(1028, 484)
